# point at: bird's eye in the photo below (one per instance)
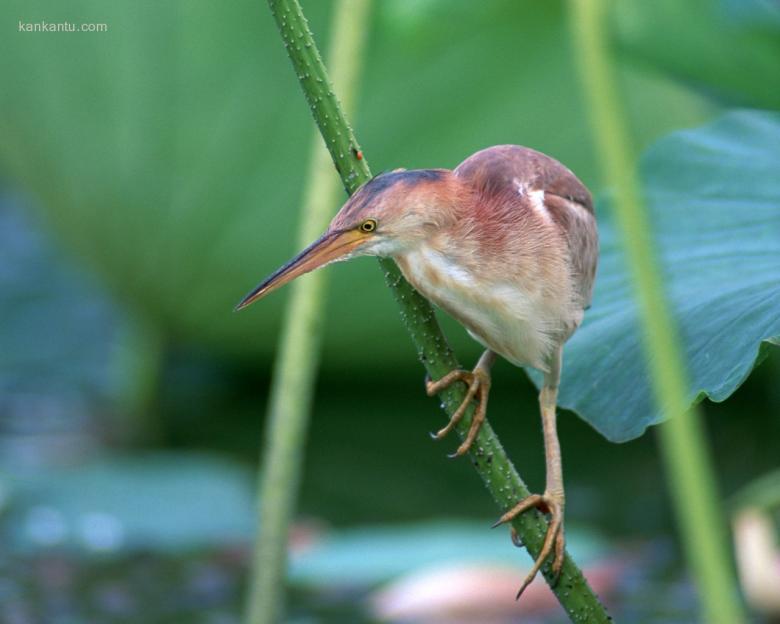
(369, 225)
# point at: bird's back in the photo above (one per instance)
(516, 178)
(496, 169)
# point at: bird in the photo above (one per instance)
(507, 244)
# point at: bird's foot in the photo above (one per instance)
(554, 540)
(478, 382)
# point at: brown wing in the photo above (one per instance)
(497, 171)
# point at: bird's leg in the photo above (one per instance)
(553, 499)
(478, 381)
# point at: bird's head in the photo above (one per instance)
(388, 215)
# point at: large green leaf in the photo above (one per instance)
(727, 47)
(170, 150)
(714, 198)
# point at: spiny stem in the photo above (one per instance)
(295, 369)
(487, 454)
(688, 465)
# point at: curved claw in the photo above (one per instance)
(554, 540)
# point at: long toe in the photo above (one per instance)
(554, 540)
(560, 553)
(530, 501)
(478, 382)
(433, 388)
(476, 421)
(458, 414)
(482, 383)
(550, 544)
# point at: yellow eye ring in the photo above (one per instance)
(368, 226)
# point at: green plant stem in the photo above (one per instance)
(487, 454)
(296, 365)
(683, 442)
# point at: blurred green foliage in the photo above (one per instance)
(376, 554)
(112, 505)
(168, 150)
(726, 47)
(168, 153)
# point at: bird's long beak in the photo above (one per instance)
(328, 248)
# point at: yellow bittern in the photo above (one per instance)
(507, 244)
